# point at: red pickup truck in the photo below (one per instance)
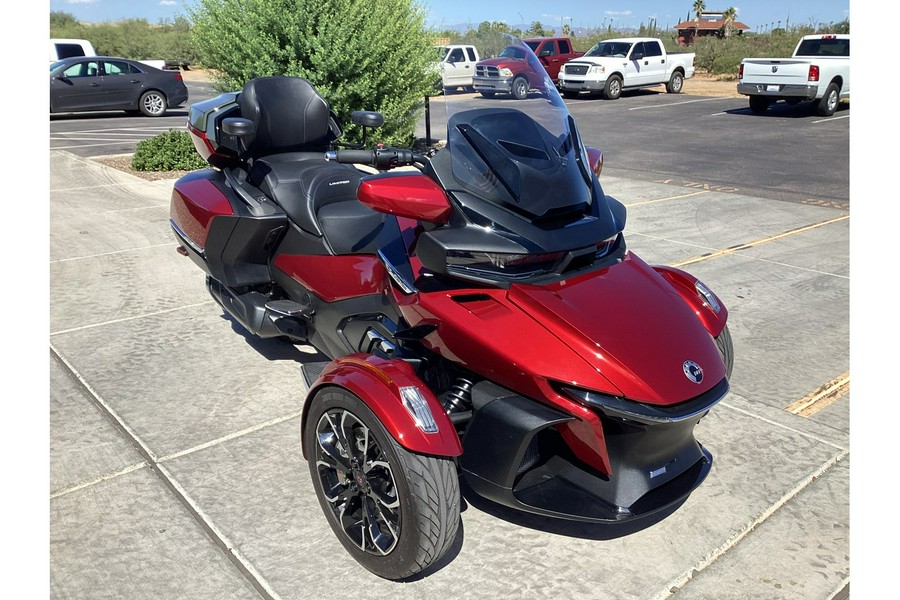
(509, 73)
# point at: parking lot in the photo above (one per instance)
(175, 466)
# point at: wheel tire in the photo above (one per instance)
(394, 511)
(676, 83)
(487, 94)
(520, 88)
(569, 95)
(153, 104)
(726, 350)
(829, 102)
(759, 104)
(613, 88)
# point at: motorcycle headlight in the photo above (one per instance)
(504, 72)
(708, 297)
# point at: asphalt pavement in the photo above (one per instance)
(175, 465)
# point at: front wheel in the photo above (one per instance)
(487, 94)
(676, 83)
(520, 88)
(153, 104)
(613, 88)
(726, 350)
(394, 511)
(829, 102)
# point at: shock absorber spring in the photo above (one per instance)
(459, 397)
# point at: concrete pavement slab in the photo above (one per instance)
(129, 538)
(257, 490)
(120, 230)
(186, 377)
(126, 284)
(85, 447)
(810, 535)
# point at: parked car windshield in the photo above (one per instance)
(516, 52)
(615, 49)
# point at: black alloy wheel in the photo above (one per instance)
(394, 511)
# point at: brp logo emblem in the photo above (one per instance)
(774, 68)
(692, 371)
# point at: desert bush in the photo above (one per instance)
(172, 150)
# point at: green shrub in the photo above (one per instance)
(169, 151)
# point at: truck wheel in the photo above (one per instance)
(394, 511)
(676, 82)
(520, 88)
(487, 94)
(613, 88)
(829, 102)
(759, 104)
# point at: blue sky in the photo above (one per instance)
(757, 14)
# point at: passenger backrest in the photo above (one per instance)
(289, 114)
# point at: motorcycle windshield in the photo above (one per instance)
(528, 157)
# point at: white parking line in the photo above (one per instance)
(674, 104)
(831, 119)
(114, 143)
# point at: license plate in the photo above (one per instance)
(773, 88)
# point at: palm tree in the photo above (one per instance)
(730, 15)
(699, 7)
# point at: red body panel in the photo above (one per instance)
(415, 196)
(631, 324)
(195, 202)
(684, 284)
(377, 382)
(334, 278)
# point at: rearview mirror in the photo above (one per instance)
(414, 196)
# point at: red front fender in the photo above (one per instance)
(377, 382)
(684, 283)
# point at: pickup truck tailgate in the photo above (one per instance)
(776, 71)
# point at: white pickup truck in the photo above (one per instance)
(818, 71)
(624, 63)
(457, 66)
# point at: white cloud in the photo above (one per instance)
(82, 1)
(617, 13)
(168, 3)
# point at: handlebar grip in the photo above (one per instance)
(363, 157)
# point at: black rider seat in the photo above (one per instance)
(294, 128)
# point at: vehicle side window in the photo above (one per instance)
(637, 49)
(548, 49)
(83, 69)
(456, 55)
(116, 68)
(564, 47)
(652, 49)
(68, 50)
(471, 53)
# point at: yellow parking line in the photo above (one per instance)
(753, 244)
(822, 397)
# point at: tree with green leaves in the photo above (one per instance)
(359, 54)
(729, 16)
(536, 30)
(699, 7)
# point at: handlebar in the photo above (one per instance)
(382, 158)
